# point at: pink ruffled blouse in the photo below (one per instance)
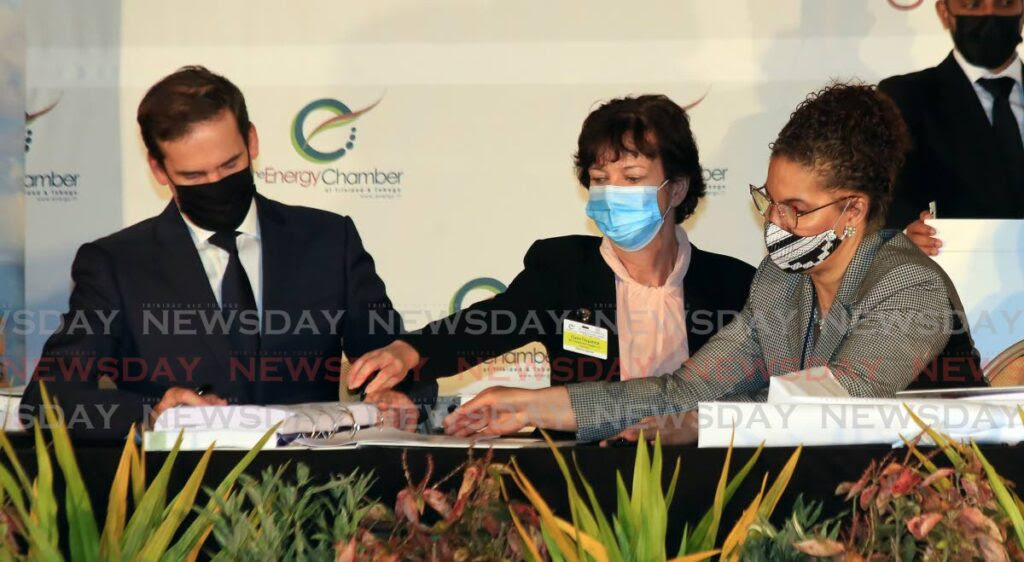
(651, 320)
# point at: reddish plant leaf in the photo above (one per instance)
(937, 475)
(822, 547)
(868, 496)
(974, 518)
(906, 481)
(438, 501)
(405, 506)
(923, 524)
(992, 550)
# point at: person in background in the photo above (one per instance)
(633, 303)
(835, 291)
(966, 122)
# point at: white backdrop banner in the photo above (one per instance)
(12, 197)
(73, 172)
(462, 114)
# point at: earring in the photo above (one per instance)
(849, 231)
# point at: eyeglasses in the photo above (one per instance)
(788, 216)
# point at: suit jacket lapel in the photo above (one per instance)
(697, 298)
(185, 275)
(837, 323)
(278, 258)
(798, 322)
(596, 289)
(971, 140)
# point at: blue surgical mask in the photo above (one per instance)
(628, 216)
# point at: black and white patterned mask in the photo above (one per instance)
(800, 253)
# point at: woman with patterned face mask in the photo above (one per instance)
(835, 291)
(632, 303)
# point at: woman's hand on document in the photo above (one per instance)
(391, 363)
(501, 410)
(675, 429)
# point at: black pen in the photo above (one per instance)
(204, 389)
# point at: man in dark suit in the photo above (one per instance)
(224, 297)
(966, 119)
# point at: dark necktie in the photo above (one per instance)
(1004, 122)
(236, 295)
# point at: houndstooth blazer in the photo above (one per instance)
(891, 316)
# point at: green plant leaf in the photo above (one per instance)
(941, 483)
(149, 511)
(733, 542)
(704, 537)
(44, 504)
(639, 500)
(583, 519)
(13, 490)
(84, 536)
(528, 546)
(696, 537)
(655, 508)
(39, 547)
(1006, 498)
(179, 508)
(187, 547)
(671, 494)
(948, 447)
(117, 502)
(624, 519)
(138, 475)
(549, 526)
(607, 532)
(696, 557)
(771, 499)
(19, 471)
(641, 469)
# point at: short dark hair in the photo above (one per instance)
(853, 137)
(190, 95)
(655, 126)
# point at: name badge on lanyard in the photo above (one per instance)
(585, 339)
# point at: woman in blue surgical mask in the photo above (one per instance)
(835, 291)
(634, 302)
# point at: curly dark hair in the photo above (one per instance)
(654, 126)
(853, 136)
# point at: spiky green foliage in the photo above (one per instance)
(638, 529)
(289, 515)
(766, 543)
(145, 535)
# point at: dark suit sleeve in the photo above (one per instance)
(911, 191)
(370, 320)
(520, 315)
(73, 357)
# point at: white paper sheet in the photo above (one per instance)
(985, 261)
(297, 418)
(807, 385)
(854, 421)
(388, 437)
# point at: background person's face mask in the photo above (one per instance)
(987, 41)
(219, 206)
(628, 216)
(800, 253)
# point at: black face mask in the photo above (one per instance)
(987, 41)
(219, 206)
